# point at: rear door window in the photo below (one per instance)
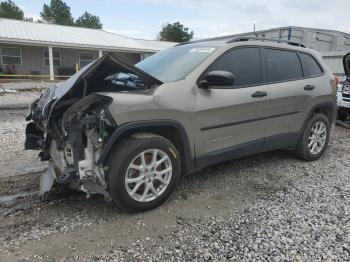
(243, 63)
(282, 65)
(310, 67)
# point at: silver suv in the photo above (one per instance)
(130, 132)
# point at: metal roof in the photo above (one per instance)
(282, 28)
(159, 45)
(17, 31)
(340, 54)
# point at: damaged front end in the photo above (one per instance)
(75, 147)
(70, 123)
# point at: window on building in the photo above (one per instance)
(11, 56)
(243, 63)
(282, 65)
(85, 58)
(56, 58)
(310, 66)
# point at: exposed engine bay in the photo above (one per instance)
(70, 123)
(75, 147)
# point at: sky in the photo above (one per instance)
(207, 18)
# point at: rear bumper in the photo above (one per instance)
(334, 116)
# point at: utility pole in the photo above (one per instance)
(254, 28)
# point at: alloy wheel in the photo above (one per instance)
(317, 137)
(148, 175)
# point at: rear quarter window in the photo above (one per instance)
(310, 67)
(282, 65)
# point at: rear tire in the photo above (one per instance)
(143, 171)
(314, 139)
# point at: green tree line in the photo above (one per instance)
(57, 12)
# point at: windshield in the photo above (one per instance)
(175, 63)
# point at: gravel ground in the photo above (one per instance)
(25, 85)
(19, 95)
(268, 207)
(14, 160)
(302, 213)
(17, 100)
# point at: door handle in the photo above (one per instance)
(309, 87)
(259, 94)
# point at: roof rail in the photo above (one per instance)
(220, 38)
(192, 42)
(241, 39)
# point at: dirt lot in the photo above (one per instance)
(270, 207)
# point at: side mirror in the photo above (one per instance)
(217, 79)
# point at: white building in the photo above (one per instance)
(332, 44)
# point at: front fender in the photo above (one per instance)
(120, 131)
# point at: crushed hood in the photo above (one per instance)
(346, 63)
(93, 67)
(65, 93)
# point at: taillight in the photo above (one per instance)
(334, 84)
(336, 78)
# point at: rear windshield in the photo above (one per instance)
(175, 63)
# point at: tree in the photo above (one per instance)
(175, 32)
(58, 12)
(88, 20)
(9, 9)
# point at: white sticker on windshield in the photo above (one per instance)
(202, 50)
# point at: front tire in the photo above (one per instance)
(143, 171)
(314, 140)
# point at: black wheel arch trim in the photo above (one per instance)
(122, 129)
(333, 116)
